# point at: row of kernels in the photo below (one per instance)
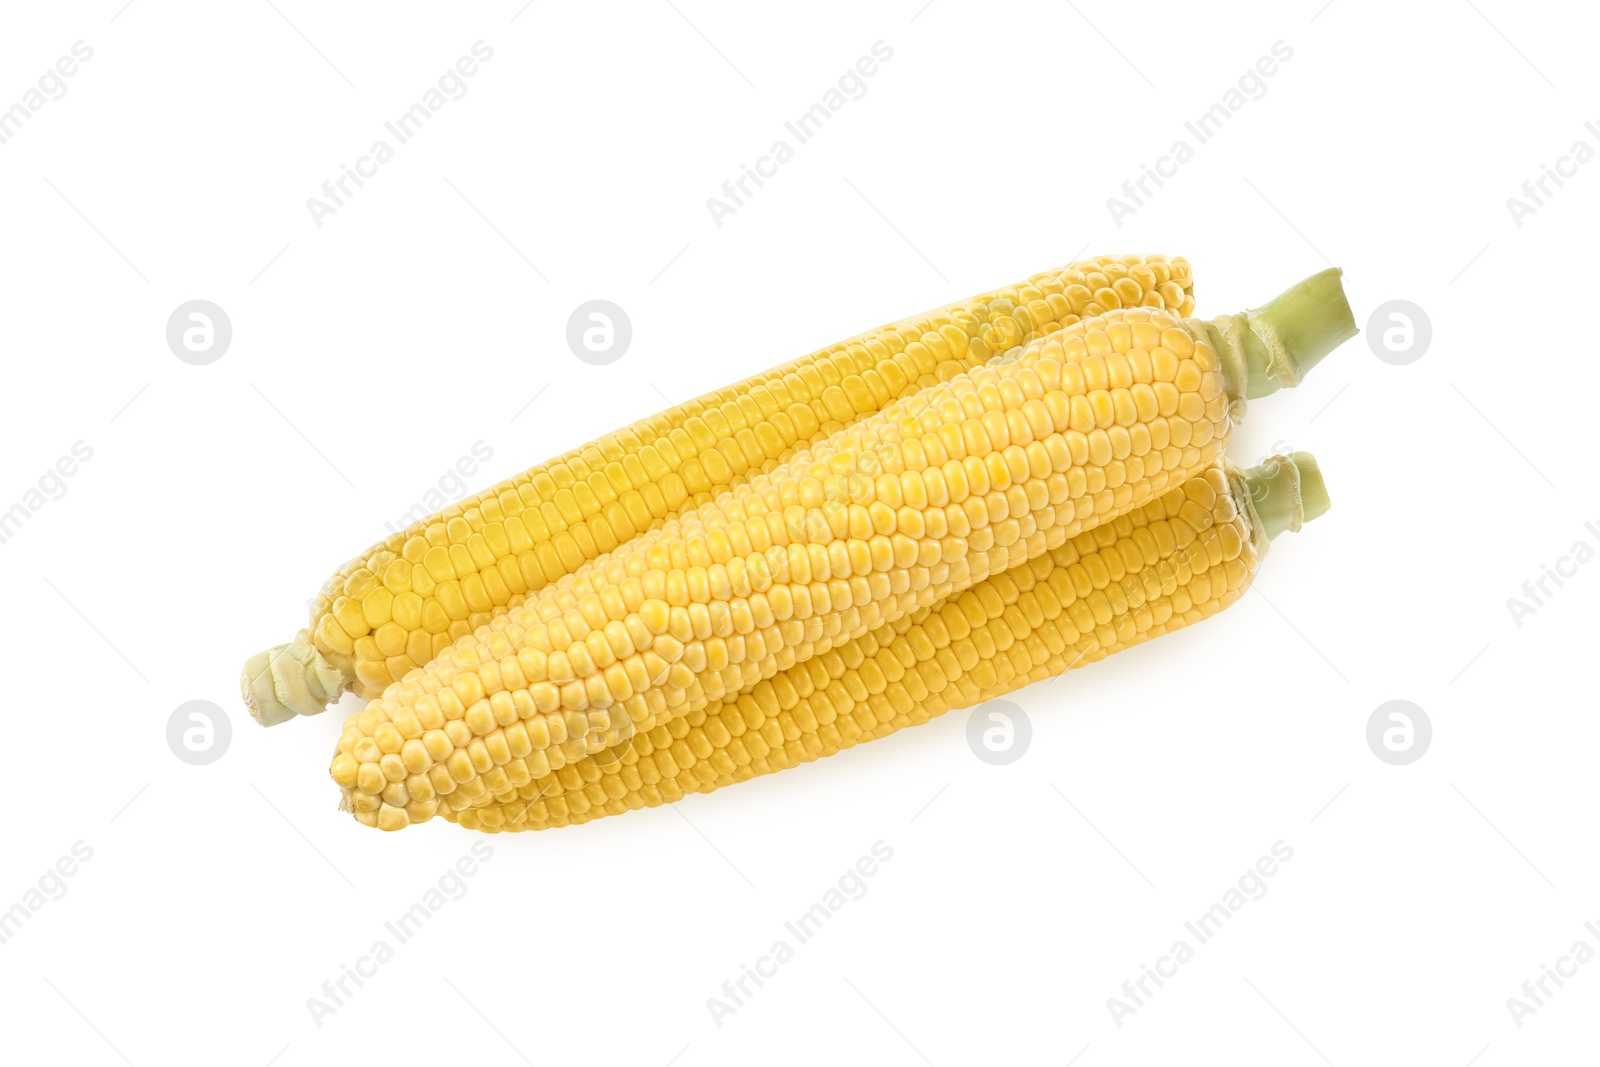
(1023, 599)
(586, 480)
(1043, 653)
(575, 697)
(1040, 655)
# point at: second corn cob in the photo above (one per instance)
(1176, 561)
(403, 601)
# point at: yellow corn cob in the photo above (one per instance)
(1177, 560)
(711, 601)
(400, 603)
(1007, 461)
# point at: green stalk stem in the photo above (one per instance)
(1283, 493)
(1274, 346)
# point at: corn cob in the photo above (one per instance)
(400, 603)
(1177, 560)
(1077, 428)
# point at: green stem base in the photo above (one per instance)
(1284, 493)
(289, 680)
(1274, 346)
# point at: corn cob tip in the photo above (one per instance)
(1275, 346)
(289, 680)
(1285, 492)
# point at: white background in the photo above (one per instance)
(370, 353)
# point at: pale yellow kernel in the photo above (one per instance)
(1189, 377)
(1100, 451)
(1163, 364)
(388, 738)
(1178, 341)
(1104, 409)
(416, 756)
(344, 770)
(370, 779)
